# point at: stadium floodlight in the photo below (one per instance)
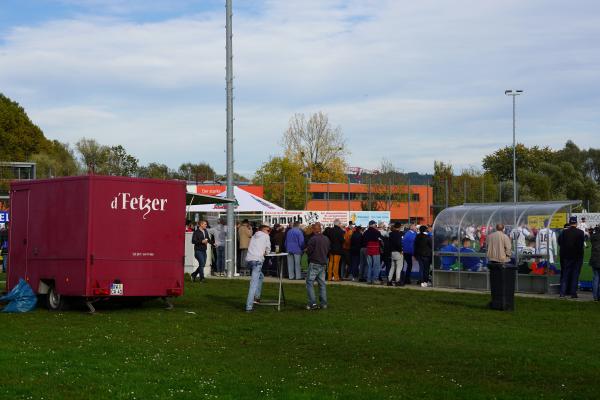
(514, 93)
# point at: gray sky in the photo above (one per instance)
(411, 82)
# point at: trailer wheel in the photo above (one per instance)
(55, 301)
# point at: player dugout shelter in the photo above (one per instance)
(538, 271)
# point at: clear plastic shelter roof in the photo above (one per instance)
(458, 221)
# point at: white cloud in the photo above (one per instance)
(410, 82)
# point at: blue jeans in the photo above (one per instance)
(374, 268)
(316, 272)
(596, 284)
(570, 276)
(220, 258)
(200, 255)
(4, 261)
(293, 266)
(256, 282)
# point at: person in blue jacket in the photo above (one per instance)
(470, 263)
(408, 247)
(452, 247)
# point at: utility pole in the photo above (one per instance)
(229, 245)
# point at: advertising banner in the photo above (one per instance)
(537, 221)
(285, 218)
(592, 219)
(3, 217)
(362, 218)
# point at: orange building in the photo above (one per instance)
(364, 197)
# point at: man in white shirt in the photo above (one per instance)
(545, 243)
(260, 244)
(584, 227)
(520, 236)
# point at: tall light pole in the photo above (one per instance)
(514, 94)
(230, 244)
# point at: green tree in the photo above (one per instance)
(120, 163)
(94, 156)
(196, 172)
(20, 137)
(156, 171)
(500, 165)
(274, 173)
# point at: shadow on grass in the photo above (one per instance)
(484, 305)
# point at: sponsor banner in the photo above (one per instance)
(537, 221)
(3, 217)
(213, 190)
(362, 218)
(285, 218)
(591, 219)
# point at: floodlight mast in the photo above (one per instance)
(514, 93)
(230, 235)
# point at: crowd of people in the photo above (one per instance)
(382, 254)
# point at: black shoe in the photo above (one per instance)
(193, 277)
(390, 284)
(311, 307)
(574, 296)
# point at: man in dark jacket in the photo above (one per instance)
(423, 252)
(355, 246)
(200, 240)
(571, 242)
(595, 261)
(336, 237)
(372, 239)
(317, 250)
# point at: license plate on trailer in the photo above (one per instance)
(116, 289)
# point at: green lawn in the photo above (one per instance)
(370, 343)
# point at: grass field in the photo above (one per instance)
(371, 343)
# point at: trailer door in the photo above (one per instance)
(18, 238)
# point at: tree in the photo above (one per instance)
(318, 147)
(120, 163)
(500, 163)
(20, 137)
(196, 172)
(272, 176)
(94, 156)
(156, 171)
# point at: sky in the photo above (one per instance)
(408, 82)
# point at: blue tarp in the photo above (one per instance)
(21, 298)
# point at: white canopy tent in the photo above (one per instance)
(244, 202)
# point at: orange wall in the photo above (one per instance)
(399, 211)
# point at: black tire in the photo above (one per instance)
(55, 301)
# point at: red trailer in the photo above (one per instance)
(97, 237)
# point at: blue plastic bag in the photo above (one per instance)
(21, 298)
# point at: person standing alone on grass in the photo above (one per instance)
(595, 261)
(200, 241)
(571, 243)
(499, 247)
(317, 250)
(423, 253)
(294, 245)
(260, 244)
